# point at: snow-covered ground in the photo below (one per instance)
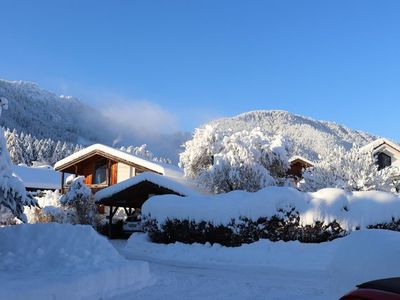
(265, 270)
(59, 261)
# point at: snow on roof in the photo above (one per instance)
(118, 154)
(38, 178)
(297, 157)
(379, 142)
(176, 184)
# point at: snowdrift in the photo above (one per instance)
(62, 261)
(340, 264)
(352, 210)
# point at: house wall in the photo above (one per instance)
(296, 169)
(124, 172)
(86, 168)
(392, 153)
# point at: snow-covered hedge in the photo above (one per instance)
(275, 213)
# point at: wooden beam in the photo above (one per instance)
(108, 172)
(62, 182)
(110, 216)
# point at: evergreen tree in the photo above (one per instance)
(13, 194)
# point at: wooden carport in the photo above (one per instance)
(132, 198)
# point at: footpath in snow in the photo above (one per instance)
(61, 261)
(337, 265)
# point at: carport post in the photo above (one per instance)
(110, 222)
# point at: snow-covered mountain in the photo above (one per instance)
(309, 138)
(43, 114)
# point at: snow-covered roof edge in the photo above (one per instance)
(297, 157)
(38, 178)
(113, 152)
(379, 142)
(160, 180)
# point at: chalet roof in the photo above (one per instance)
(176, 185)
(38, 178)
(373, 146)
(300, 158)
(114, 154)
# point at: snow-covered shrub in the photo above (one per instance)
(227, 161)
(7, 217)
(352, 170)
(49, 209)
(79, 197)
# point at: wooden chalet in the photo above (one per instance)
(386, 152)
(122, 180)
(296, 166)
(103, 166)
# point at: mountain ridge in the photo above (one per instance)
(309, 137)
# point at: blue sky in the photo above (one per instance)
(191, 61)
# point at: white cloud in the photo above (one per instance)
(140, 117)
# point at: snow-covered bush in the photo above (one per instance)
(79, 197)
(49, 209)
(227, 161)
(352, 170)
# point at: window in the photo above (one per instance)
(100, 173)
(384, 160)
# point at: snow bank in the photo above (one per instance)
(350, 209)
(364, 255)
(61, 261)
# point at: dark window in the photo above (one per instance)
(100, 173)
(384, 160)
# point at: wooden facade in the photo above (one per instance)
(88, 165)
(297, 166)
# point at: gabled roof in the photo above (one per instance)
(114, 154)
(373, 146)
(38, 178)
(302, 159)
(168, 183)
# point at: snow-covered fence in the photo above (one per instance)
(274, 213)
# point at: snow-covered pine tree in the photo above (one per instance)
(142, 151)
(14, 147)
(352, 170)
(13, 194)
(25, 149)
